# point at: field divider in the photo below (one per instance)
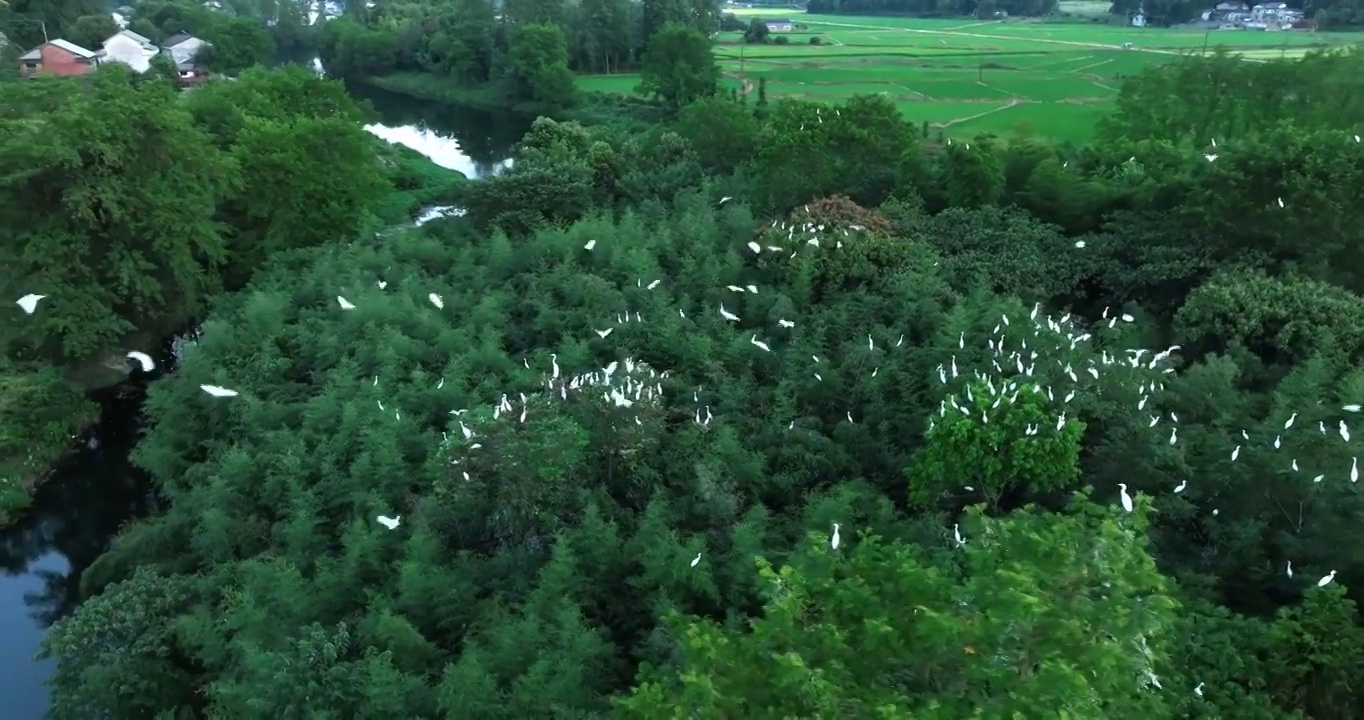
(1012, 103)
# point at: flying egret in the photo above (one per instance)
(217, 391)
(30, 302)
(1327, 579)
(1126, 499)
(345, 304)
(835, 540)
(390, 522)
(1351, 408)
(142, 359)
(603, 333)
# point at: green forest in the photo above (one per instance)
(767, 410)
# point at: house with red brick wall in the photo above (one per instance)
(59, 57)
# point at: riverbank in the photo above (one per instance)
(591, 108)
(45, 411)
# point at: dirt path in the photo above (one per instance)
(982, 36)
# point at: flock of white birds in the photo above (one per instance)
(1023, 360)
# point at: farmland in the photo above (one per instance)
(965, 77)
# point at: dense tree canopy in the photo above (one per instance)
(131, 205)
(769, 411)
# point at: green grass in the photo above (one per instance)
(966, 76)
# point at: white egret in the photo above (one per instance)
(653, 285)
(1291, 418)
(1235, 453)
(345, 304)
(389, 522)
(1080, 244)
(1327, 579)
(1344, 432)
(1351, 408)
(727, 314)
(696, 560)
(142, 359)
(755, 341)
(1181, 487)
(1354, 469)
(755, 247)
(956, 534)
(786, 323)
(590, 244)
(1124, 497)
(435, 300)
(603, 333)
(30, 303)
(217, 391)
(835, 540)
(1289, 570)
(1198, 690)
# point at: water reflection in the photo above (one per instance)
(75, 514)
(482, 140)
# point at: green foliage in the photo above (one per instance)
(1006, 448)
(679, 67)
(840, 627)
(956, 357)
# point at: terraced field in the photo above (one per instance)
(967, 77)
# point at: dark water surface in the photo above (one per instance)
(95, 491)
(75, 514)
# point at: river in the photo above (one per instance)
(96, 490)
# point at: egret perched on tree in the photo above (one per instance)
(390, 522)
(1124, 497)
(217, 391)
(1327, 579)
(696, 560)
(835, 540)
(345, 304)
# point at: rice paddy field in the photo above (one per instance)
(965, 77)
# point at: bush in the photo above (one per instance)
(816, 40)
(782, 40)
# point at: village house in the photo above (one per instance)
(131, 49)
(782, 25)
(59, 57)
(184, 49)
